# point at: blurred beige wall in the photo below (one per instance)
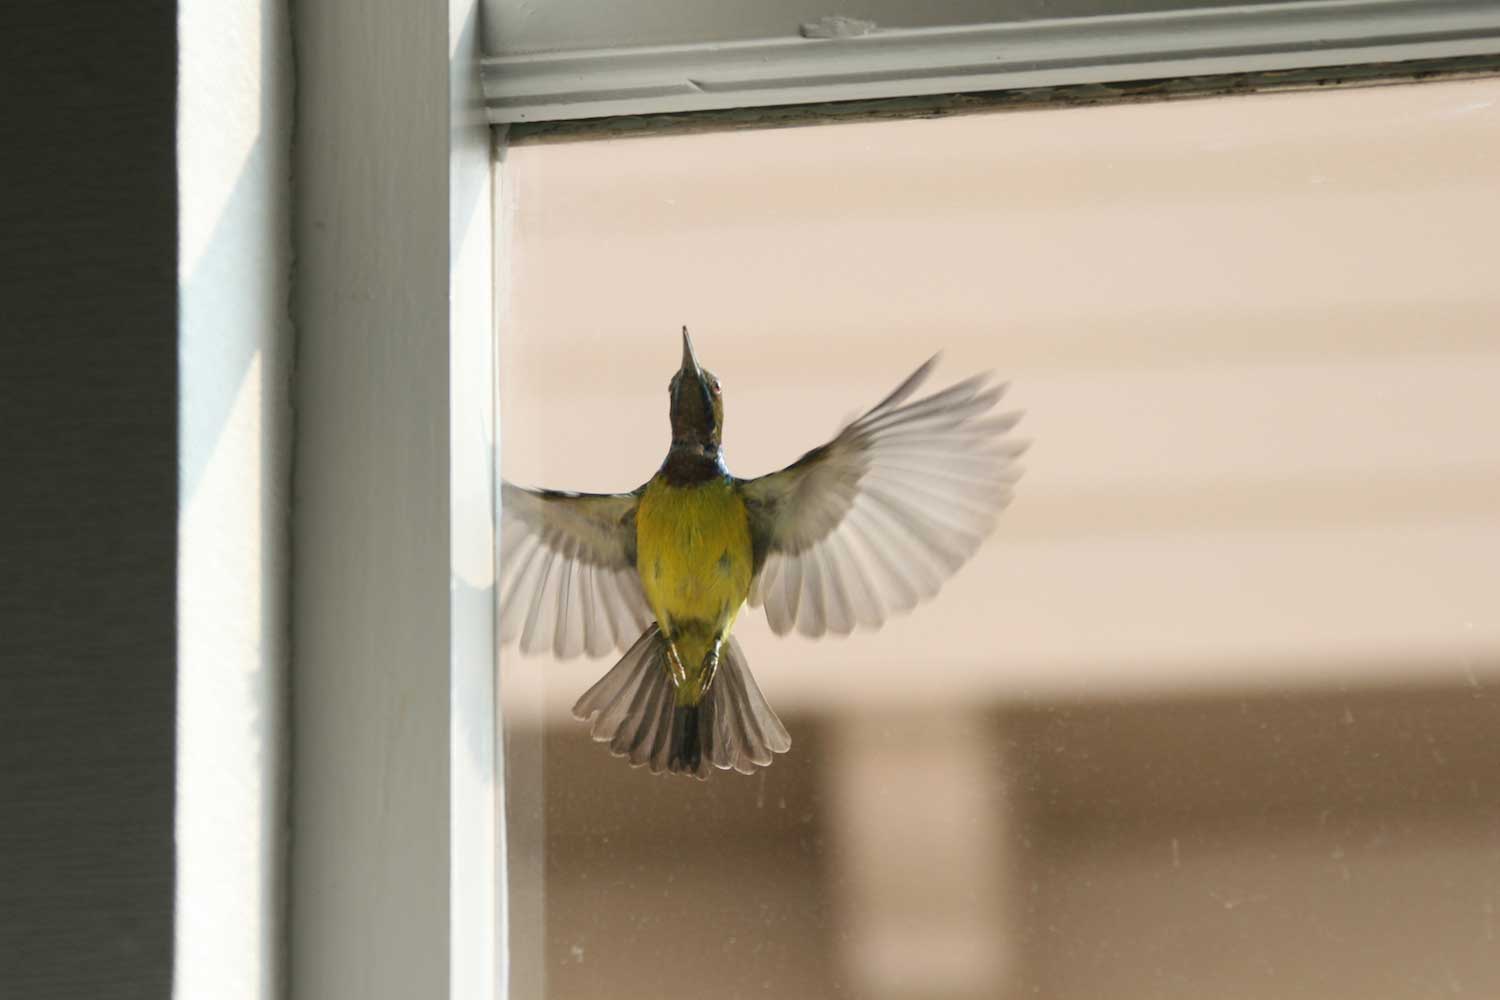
(1212, 713)
(1317, 847)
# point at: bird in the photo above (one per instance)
(858, 529)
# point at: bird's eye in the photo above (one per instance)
(716, 386)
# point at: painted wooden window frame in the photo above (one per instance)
(397, 887)
(833, 61)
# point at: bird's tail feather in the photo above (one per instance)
(634, 709)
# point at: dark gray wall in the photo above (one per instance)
(88, 442)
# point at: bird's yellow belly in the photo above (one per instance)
(694, 558)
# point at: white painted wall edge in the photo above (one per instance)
(234, 124)
(558, 86)
(396, 882)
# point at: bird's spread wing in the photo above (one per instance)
(878, 518)
(568, 580)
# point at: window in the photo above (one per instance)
(394, 885)
(1211, 711)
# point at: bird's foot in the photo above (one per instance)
(710, 668)
(675, 668)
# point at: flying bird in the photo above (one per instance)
(854, 531)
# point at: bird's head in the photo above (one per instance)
(697, 406)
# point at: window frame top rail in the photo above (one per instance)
(571, 85)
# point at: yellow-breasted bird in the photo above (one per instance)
(854, 531)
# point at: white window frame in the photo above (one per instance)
(875, 63)
(397, 886)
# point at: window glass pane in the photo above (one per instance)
(1213, 711)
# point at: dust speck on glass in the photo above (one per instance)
(1209, 710)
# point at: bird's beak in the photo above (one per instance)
(694, 416)
(689, 359)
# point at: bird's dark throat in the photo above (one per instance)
(689, 463)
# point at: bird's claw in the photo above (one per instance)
(675, 668)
